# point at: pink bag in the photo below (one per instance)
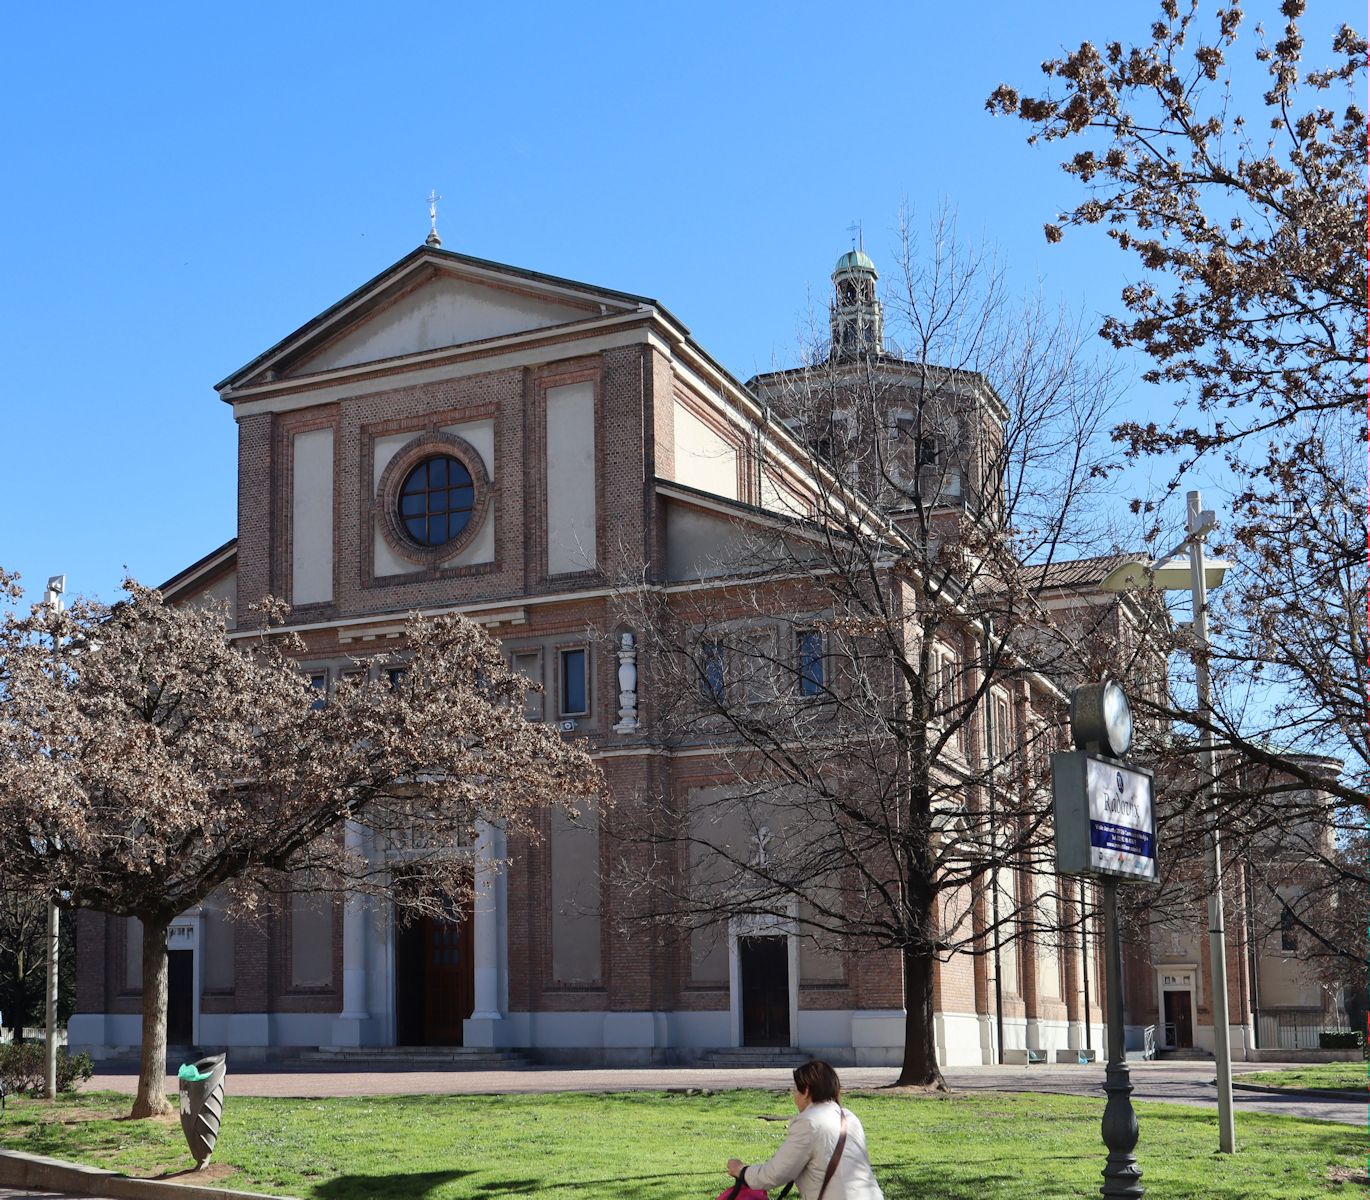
(746, 1193)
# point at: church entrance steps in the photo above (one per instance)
(755, 1056)
(1187, 1054)
(427, 1058)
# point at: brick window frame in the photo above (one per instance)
(559, 654)
(423, 446)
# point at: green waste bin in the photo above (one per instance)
(202, 1104)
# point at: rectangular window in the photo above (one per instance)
(1003, 730)
(575, 695)
(396, 676)
(1289, 931)
(715, 676)
(946, 683)
(809, 651)
(318, 683)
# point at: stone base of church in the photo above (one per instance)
(867, 1038)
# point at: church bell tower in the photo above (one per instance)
(854, 314)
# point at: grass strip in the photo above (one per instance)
(1323, 1077)
(657, 1146)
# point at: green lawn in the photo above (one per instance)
(655, 1146)
(1333, 1076)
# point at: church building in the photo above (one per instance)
(459, 435)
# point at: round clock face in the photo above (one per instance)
(1117, 719)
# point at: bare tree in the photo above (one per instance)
(1237, 183)
(869, 654)
(155, 761)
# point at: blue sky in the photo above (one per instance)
(186, 184)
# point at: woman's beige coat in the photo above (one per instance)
(804, 1155)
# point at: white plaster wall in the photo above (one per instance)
(777, 499)
(1285, 982)
(571, 483)
(481, 548)
(1048, 942)
(958, 1039)
(702, 546)
(703, 460)
(311, 550)
(825, 1027)
(445, 312)
(222, 592)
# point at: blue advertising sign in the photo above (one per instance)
(1105, 817)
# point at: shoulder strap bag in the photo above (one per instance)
(827, 1175)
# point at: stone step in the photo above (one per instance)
(1186, 1055)
(468, 1058)
(755, 1056)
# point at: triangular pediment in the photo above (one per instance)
(431, 301)
(445, 310)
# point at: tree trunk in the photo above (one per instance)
(151, 1099)
(920, 1067)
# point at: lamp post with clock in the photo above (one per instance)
(1105, 818)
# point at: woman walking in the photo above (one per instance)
(824, 1153)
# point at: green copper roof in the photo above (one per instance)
(854, 260)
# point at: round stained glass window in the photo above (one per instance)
(435, 501)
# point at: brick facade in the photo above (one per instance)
(641, 366)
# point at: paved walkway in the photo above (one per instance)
(1173, 1082)
(10, 1194)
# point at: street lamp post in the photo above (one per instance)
(57, 584)
(1171, 572)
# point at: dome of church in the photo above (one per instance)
(854, 260)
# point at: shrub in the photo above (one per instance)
(1344, 1040)
(22, 1068)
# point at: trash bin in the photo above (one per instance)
(202, 1104)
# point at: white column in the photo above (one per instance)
(479, 1029)
(502, 920)
(347, 1029)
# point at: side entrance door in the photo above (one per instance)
(180, 997)
(434, 980)
(1179, 1019)
(765, 966)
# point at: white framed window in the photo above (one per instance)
(573, 676)
(810, 666)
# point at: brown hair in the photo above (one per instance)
(819, 1080)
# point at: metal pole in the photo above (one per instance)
(54, 600)
(1217, 937)
(1084, 953)
(1122, 1175)
(50, 1058)
(994, 850)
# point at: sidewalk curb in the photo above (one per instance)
(1319, 1093)
(20, 1170)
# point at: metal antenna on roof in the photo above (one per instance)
(858, 236)
(432, 239)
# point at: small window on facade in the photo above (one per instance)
(1289, 930)
(809, 651)
(396, 676)
(318, 683)
(575, 694)
(1003, 733)
(711, 663)
(528, 663)
(946, 682)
